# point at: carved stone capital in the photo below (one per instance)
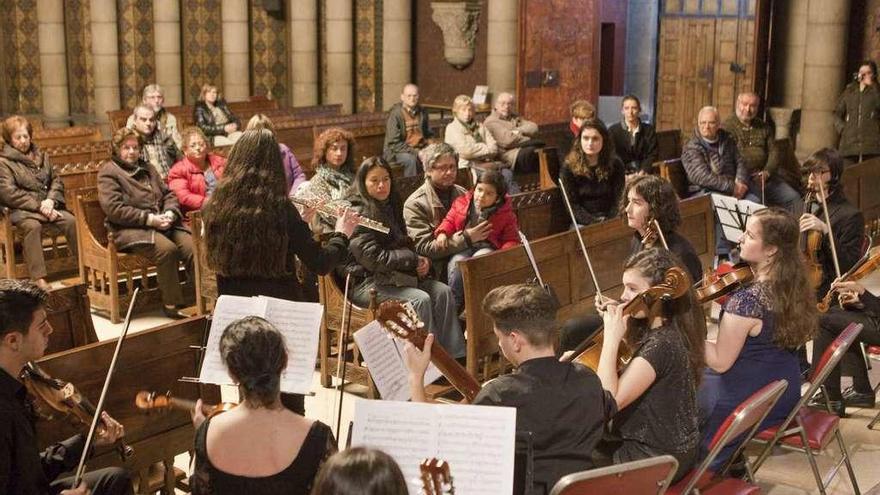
(782, 119)
(458, 21)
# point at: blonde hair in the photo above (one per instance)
(460, 102)
(208, 87)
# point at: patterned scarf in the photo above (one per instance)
(472, 128)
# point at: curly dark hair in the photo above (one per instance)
(18, 301)
(246, 218)
(323, 142)
(793, 301)
(362, 471)
(577, 160)
(254, 352)
(661, 199)
(371, 206)
(526, 308)
(684, 313)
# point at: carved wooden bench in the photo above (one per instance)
(70, 315)
(67, 135)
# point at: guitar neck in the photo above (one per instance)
(457, 375)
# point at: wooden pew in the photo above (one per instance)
(152, 360)
(299, 133)
(71, 318)
(669, 144)
(79, 152)
(562, 265)
(67, 135)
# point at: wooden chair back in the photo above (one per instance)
(669, 144)
(645, 476)
(71, 318)
(206, 278)
(67, 135)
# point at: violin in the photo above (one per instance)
(723, 281)
(647, 304)
(811, 243)
(148, 401)
(57, 399)
(867, 265)
(653, 234)
(436, 477)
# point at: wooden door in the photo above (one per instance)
(709, 52)
(558, 57)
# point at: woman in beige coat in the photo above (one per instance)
(475, 145)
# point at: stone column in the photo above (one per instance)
(236, 65)
(503, 39)
(105, 51)
(781, 117)
(53, 63)
(166, 29)
(338, 76)
(827, 25)
(396, 49)
(304, 51)
(793, 20)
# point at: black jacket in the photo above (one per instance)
(594, 200)
(848, 226)
(205, 118)
(384, 259)
(639, 155)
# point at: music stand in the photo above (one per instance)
(732, 214)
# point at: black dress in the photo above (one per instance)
(295, 478)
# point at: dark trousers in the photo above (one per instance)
(32, 240)
(830, 325)
(168, 249)
(526, 161)
(107, 481)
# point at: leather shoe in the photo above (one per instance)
(837, 407)
(857, 399)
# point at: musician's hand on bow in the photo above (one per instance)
(761, 176)
(441, 241)
(198, 417)
(82, 489)
(109, 430)
(601, 302)
(849, 292)
(423, 267)
(811, 222)
(347, 222)
(479, 232)
(614, 321)
(417, 360)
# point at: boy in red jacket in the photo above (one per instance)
(487, 201)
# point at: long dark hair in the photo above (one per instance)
(371, 206)
(661, 199)
(577, 160)
(360, 471)
(246, 218)
(793, 301)
(684, 313)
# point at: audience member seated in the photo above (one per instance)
(360, 471)
(407, 131)
(754, 140)
(254, 233)
(581, 111)
(635, 142)
(592, 175)
(157, 146)
(214, 117)
(24, 335)
(34, 194)
(387, 262)
(428, 205)
(293, 173)
(856, 116)
(476, 148)
(487, 202)
(762, 324)
(154, 97)
(195, 178)
(562, 404)
(714, 165)
(333, 163)
(143, 216)
(513, 135)
(668, 362)
(258, 447)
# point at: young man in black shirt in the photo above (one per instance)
(563, 405)
(24, 336)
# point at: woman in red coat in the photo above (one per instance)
(487, 201)
(194, 178)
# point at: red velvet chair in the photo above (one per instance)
(744, 420)
(645, 476)
(810, 430)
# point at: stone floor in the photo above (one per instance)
(785, 473)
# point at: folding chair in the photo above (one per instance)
(740, 425)
(643, 477)
(813, 429)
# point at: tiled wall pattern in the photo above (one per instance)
(137, 64)
(201, 23)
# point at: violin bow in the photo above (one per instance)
(580, 238)
(100, 407)
(662, 237)
(528, 248)
(830, 232)
(344, 327)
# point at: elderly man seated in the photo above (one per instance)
(154, 97)
(514, 135)
(407, 131)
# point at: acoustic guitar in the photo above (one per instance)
(402, 321)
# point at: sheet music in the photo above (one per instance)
(383, 355)
(733, 213)
(477, 441)
(299, 323)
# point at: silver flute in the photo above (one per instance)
(330, 212)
